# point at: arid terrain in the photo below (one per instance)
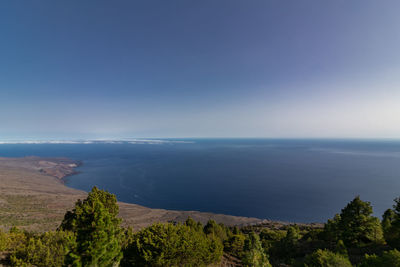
(34, 197)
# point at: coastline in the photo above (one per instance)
(33, 195)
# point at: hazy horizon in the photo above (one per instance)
(177, 69)
(161, 140)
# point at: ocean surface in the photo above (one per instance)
(287, 180)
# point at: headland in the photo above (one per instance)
(33, 196)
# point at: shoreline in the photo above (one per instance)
(34, 196)
(261, 221)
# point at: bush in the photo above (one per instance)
(389, 258)
(16, 238)
(172, 245)
(326, 258)
(254, 255)
(217, 230)
(269, 238)
(3, 241)
(235, 245)
(47, 250)
(288, 247)
(391, 222)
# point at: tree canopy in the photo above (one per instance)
(172, 245)
(355, 225)
(91, 235)
(326, 258)
(97, 229)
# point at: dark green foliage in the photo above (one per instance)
(235, 245)
(389, 216)
(292, 235)
(331, 229)
(97, 228)
(287, 247)
(3, 240)
(236, 230)
(341, 248)
(217, 230)
(172, 245)
(15, 239)
(193, 224)
(270, 240)
(91, 235)
(355, 225)
(108, 201)
(254, 255)
(47, 250)
(391, 223)
(326, 258)
(388, 259)
(281, 246)
(127, 238)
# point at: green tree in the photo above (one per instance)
(97, 229)
(355, 225)
(254, 255)
(172, 245)
(235, 245)
(46, 250)
(331, 231)
(389, 258)
(217, 230)
(288, 247)
(193, 224)
(270, 238)
(341, 248)
(326, 258)
(389, 216)
(3, 241)
(391, 224)
(16, 238)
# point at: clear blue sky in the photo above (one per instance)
(210, 68)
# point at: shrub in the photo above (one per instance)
(388, 258)
(172, 245)
(235, 245)
(391, 222)
(270, 238)
(47, 250)
(3, 241)
(287, 248)
(326, 258)
(16, 238)
(217, 230)
(254, 255)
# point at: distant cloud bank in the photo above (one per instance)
(131, 141)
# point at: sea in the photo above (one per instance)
(295, 180)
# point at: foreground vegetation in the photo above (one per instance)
(91, 235)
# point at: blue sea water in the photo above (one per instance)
(288, 180)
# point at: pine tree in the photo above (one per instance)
(355, 225)
(97, 228)
(254, 253)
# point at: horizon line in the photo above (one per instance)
(174, 139)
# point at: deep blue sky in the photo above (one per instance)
(210, 68)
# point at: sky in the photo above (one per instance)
(99, 69)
